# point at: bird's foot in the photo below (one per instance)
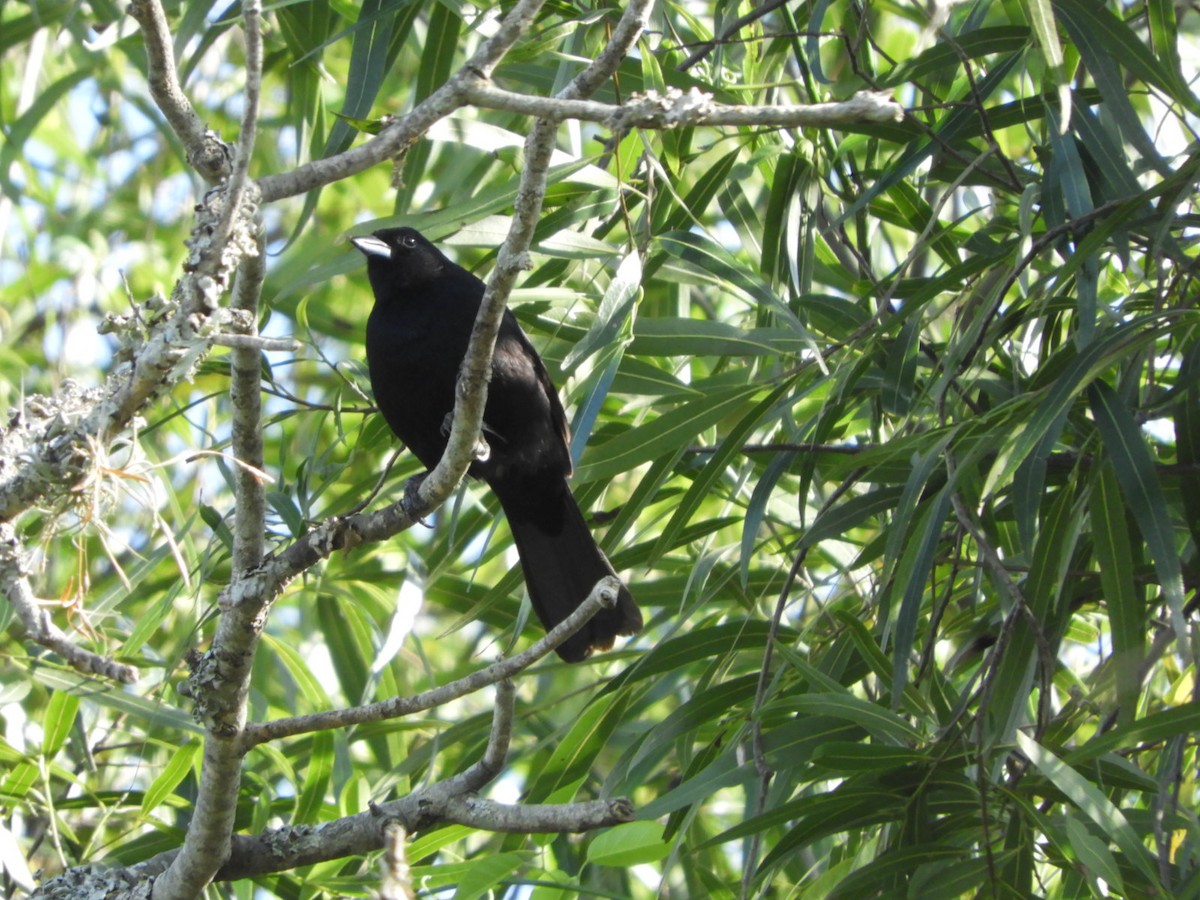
(482, 449)
(413, 505)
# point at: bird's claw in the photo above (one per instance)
(411, 502)
(482, 449)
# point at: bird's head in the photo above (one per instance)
(399, 258)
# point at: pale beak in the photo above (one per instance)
(372, 246)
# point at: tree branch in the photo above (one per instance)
(677, 109)
(397, 875)
(36, 621)
(53, 444)
(766, 8)
(604, 594)
(220, 683)
(281, 849)
(471, 85)
(261, 344)
(289, 848)
(451, 801)
(204, 149)
(406, 130)
(246, 366)
(483, 771)
(56, 439)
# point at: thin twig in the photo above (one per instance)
(36, 621)
(731, 29)
(397, 875)
(257, 342)
(408, 128)
(603, 594)
(491, 764)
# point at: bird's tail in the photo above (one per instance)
(562, 563)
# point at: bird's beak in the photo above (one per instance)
(372, 246)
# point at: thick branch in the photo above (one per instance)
(289, 848)
(246, 397)
(221, 683)
(246, 364)
(281, 849)
(205, 150)
(56, 438)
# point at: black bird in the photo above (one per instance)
(417, 335)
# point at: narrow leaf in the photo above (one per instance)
(1093, 803)
(178, 766)
(1134, 467)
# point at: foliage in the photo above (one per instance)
(892, 429)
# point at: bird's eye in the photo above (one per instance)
(408, 241)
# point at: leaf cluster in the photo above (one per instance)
(892, 429)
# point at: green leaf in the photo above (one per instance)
(154, 713)
(631, 844)
(1049, 403)
(1093, 803)
(705, 483)
(1106, 46)
(484, 874)
(844, 756)
(879, 874)
(1126, 611)
(882, 724)
(316, 778)
(1155, 728)
(19, 132)
(179, 766)
(1036, 635)
(1045, 29)
(1094, 856)
(711, 642)
(728, 700)
(700, 337)
(943, 56)
(572, 758)
(662, 434)
(1103, 39)
(1126, 447)
(57, 724)
(18, 781)
(297, 666)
